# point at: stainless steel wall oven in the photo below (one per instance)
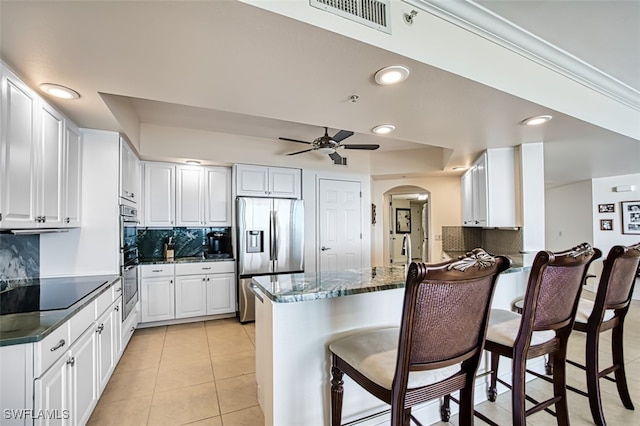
(129, 258)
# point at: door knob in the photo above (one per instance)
(323, 248)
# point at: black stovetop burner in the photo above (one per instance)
(47, 294)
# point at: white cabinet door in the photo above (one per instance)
(221, 294)
(217, 208)
(467, 198)
(284, 183)
(157, 299)
(117, 329)
(252, 181)
(191, 296)
(159, 194)
(261, 181)
(19, 139)
(480, 192)
(50, 163)
(83, 378)
(105, 330)
(190, 196)
(52, 393)
(129, 173)
(73, 178)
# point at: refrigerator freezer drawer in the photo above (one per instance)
(247, 301)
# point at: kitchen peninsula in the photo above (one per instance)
(298, 315)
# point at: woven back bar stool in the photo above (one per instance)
(436, 349)
(607, 312)
(550, 305)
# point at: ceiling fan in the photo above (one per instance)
(328, 145)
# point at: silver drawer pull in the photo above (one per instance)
(206, 269)
(156, 270)
(59, 345)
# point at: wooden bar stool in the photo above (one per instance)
(607, 312)
(438, 346)
(548, 313)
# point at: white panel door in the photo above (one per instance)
(191, 296)
(340, 211)
(217, 209)
(221, 291)
(51, 162)
(189, 193)
(73, 178)
(160, 199)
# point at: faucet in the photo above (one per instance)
(406, 248)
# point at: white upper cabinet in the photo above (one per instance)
(39, 155)
(261, 181)
(129, 174)
(490, 190)
(159, 194)
(73, 180)
(203, 196)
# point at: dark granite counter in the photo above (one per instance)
(198, 259)
(287, 288)
(28, 327)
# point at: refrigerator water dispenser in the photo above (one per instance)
(255, 241)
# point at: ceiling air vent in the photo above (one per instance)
(372, 13)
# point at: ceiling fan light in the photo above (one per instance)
(391, 75)
(59, 91)
(535, 121)
(326, 150)
(383, 129)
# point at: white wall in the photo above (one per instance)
(92, 249)
(446, 210)
(568, 215)
(603, 193)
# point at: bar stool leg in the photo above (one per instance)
(618, 359)
(492, 391)
(337, 391)
(518, 391)
(559, 386)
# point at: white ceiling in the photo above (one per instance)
(229, 67)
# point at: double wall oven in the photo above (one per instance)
(129, 258)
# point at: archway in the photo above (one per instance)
(407, 224)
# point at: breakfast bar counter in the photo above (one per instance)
(299, 315)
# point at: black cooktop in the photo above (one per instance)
(47, 294)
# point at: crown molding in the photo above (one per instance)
(477, 19)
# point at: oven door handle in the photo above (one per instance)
(130, 267)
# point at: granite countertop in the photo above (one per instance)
(191, 259)
(305, 286)
(32, 327)
(519, 261)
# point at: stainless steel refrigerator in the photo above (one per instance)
(270, 241)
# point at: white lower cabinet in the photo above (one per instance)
(67, 393)
(189, 290)
(221, 295)
(191, 296)
(74, 363)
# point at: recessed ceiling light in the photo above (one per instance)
(392, 75)
(534, 121)
(383, 129)
(59, 91)
(194, 162)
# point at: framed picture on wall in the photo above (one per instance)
(630, 211)
(606, 208)
(403, 221)
(606, 224)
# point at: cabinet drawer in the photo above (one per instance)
(205, 268)
(82, 320)
(49, 349)
(105, 300)
(159, 270)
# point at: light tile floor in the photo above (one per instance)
(200, 373)
(204, 374)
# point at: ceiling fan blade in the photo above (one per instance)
(294, 140)
(371, 147)
(342, 135)
(337, 159)
(300, 152)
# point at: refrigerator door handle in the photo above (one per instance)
(276, 237)
(271, 239)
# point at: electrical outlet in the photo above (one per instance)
(438, 237)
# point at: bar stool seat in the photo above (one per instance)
(374, 354)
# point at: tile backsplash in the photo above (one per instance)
(189, 242)
(497, 241)
(19, 259)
